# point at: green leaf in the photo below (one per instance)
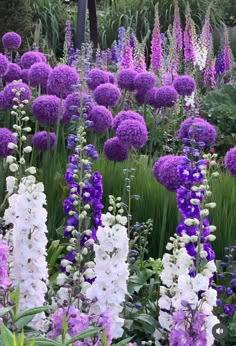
(43, 342)
(4, 311)
(15, 296)
(84, 335)
(24, 321)
(6, 336)
(123, 342)
(148, 322)
(33, 311)
(104, 338)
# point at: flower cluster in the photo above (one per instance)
(5, 281)
(156, 56)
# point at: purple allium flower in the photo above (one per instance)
(42, 56)
(230, 161)
(11, 40)
(13, 73)
(25, 92)
(5, 281)
(115, 150)
(61, 80)
(144, 81)
(132, 132)
(125, 115)
(101, 118)
(185, 85)
(166, 96)
(30, 58)
(6, 137)
(107, 95)
(71, 106)
(199, 130)
(140, 96)
(165, 170)
(46, 109)
(4, 63)
(150, 98)
(25, 75)
(2, 100)
(125, 79)
(156, 55)
(44, 141)
(38, 75)
(96, 77)
(111, 78)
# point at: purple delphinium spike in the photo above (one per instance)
(209, 74)
(220, 63)
(68, 35)
(121, 37)
(177, 30)
(127, 55)
(114, 48)
(156, 45)
(132, 40)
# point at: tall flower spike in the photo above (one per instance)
(177, 30)
(227, 50)
(156, 55)
(127, 54)
(139, 58)
(121, 37)
(189, 51)
(206, 30)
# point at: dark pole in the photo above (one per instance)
(93, 22)
(81, 23)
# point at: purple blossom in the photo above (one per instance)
(91, 152)
(111, 77)
(165, 96)
(115, 150)
(127, 55)
(229, 309)
(72, 106)
(114, 58)
(13, 73)
(156, 46)
(4, 63)
(2, 101)
(30, 58)
(25, 93)
(121, 36)
(140, 96)
(96, 77)
(189, 50)
(46, 109)
(184, 85)
(125, 79)
(38, 75)
(61, 80)
(5, 281)
(43, 140)
(107, 95)
(144, 81)
(101, 119)
(180, 337)
(25, 75)
(177, 30)
(132, 132)
(220, 63)
(209, 74)
(11, 40)
(125, 115)
(6, 137)
(227, 57)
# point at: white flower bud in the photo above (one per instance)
(61, 279)
(204, 212)
(193, 238)
(65, 263)
(16, 127)
(195, 188)
(90, 264)
(10, 159)
(207, 273)
(195, 201)
(87, 207)
(211, 237)
(89, 273)
(25, 102)
(12, 146)
(215, 175)
(211, 205)
(208, 193)
(31, 170)
(84, 251)
(23, 112)
(25, 118)
(14, 113)
(27, 129)
(203, 254)
(69, 269)
(89, 242)
(28, 149)
(22, 161)
(169, 246)
(23, 138)
(212, 228)
(189, 222)
(13, 167)
(88, 232)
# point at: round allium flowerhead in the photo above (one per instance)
(111, 78)
(38, 74)
(125, 115)
(13, 73)
(61, 80)
(115, 150)
(166, 96)
(97, 77)
(10, 93)
(30, 58)
(44, 141)
(2, 100)
(42, 56)
(184, 85)
(107, 95)
(151, 99)
(132, 132)
(6, 137)
(125, 79)
(46, 109)
(166, 172)
(71, 106)
(11, 40)
(230, 161)
(25, 75)
(3, 65)
(144, 81)
(101, 118)
(199, 130)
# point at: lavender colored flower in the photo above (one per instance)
(107, 95)
(101, 119)
(115, 150)
(2, 100)
(156, 55)
(144, 81)
(189, 50)
(46, 109)
(38, 75)
(30, 58)
(125, 79)
(114, 52)
(177, 30)
(25, 92)
(167, 79)
(132, 132)
(220, 63)
(125, 115)
(150, 98)
(180, 337)
(5, 281)
(25, 75)
(96, 77)
(199, 130)
(11, 40)
(166, 96)
(230, 161)
(44, 141)
(61, 80)
(229, 309)
(6, 137)
(121, 37)
(71, 107)
(127, 55)
(4, 63)
(13, 73)
(185, 85)
(166, 173)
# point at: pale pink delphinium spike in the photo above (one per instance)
(127, 55)
(156, 45)
(139, 59)
(177, 29)
(227, 51)
(209, 74)
(189, 33)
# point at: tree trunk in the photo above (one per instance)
(93, 22)
(15, 15)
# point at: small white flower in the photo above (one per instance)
(61, 279)
(211, 237)
(211, 205)
(10, 182)
(10, 159)
(27, 129)
(212, 228)
(31, 170)
(12, 146)
(22, 161)
(204, 212)
(13, 167)
(28, 149)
